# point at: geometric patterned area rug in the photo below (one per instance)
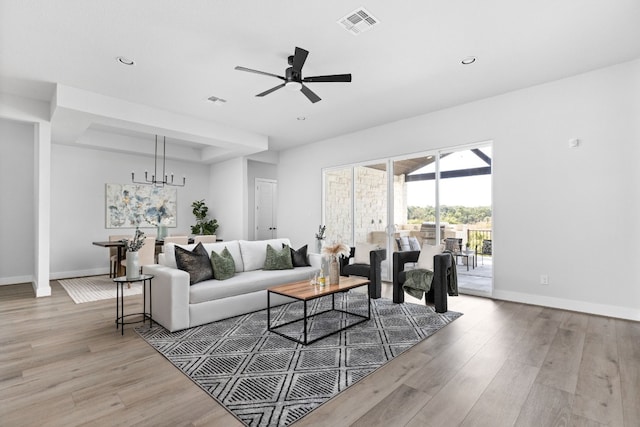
(94, 288)
(267, 380)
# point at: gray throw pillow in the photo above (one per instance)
(223, 265)
(278, 259)
(299, 257)
(196, 263)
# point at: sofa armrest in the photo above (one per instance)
(169, 296)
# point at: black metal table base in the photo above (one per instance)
(306, 317)
(120, 316)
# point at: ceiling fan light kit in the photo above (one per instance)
(293, 79)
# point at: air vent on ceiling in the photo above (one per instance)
(358, 21)
(216, 101)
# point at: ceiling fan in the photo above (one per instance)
(293, 76)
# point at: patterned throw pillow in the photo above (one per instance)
(195, 262)
(278, 259)
(223, 265)
(299, 257)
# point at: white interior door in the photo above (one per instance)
(266, 202)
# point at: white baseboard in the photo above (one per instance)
(42, 291)
(78, 273)
(15, 280)
(627, 313)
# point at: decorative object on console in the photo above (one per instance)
(203, 226)
(129, 206)
(334, 252)
(132, 247)
(158, 180)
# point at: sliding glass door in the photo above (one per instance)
(401, 203)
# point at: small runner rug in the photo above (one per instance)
(267, 380)
(95, 288)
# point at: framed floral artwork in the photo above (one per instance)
(131, 205)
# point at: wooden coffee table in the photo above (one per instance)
(304, 291)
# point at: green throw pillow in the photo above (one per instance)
(223, 265)
(278, 259)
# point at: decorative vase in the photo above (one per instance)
(162, 232)
(318, 246)
(334, 271)
(133, 265)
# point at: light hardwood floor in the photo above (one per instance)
(501, 364)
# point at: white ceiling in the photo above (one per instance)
(409, 64)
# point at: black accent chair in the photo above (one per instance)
(373, 270)
(437, 295)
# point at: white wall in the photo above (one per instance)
(581, 205)
(17, 209)
(228, 200)
(78, 178)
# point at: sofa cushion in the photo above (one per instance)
(425, 260)
(254, 253)
(195, 262)
(299, 257)
(362, 252)
(243, 283)
(278, 259)
(232, 246)
(223, 265)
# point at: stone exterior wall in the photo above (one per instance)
(337, 208)
(370, 204)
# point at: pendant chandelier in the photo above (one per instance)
(159, 180)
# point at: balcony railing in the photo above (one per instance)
(475, 238)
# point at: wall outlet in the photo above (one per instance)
(544, 279)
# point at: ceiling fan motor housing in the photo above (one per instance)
(291, 75)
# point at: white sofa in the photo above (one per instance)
(176, 305)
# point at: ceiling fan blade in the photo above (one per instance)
(309, 94)
(299, 58)
(333, 78)
(259, 72)
(273, 89)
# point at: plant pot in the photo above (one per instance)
(133, 265)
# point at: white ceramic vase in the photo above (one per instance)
(133, 265)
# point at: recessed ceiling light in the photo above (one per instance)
(301, 118)
(468, 60)
(125, 61)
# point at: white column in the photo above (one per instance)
(42, 195)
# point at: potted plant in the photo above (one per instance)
(203, 225)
